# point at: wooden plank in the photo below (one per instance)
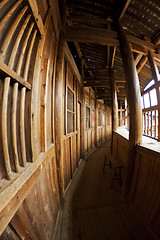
(7, 72)
(37, 16)
(9, 14)
(12, 196)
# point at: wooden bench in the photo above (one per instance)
(116, 167)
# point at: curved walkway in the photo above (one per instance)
(94, 211)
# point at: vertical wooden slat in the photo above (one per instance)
(10, 33)
(35, 93)
(5, 94)
(14, 132)
(9, 14)
(151, 123)
(22, 101)
(3, 3)
(4, 128)
(15, 93)
(155, 122)
(43, 105)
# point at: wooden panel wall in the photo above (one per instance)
(72, 152)
(120, 150)
(29, 197)
(144, 190)
(29, 187)
(145, 187)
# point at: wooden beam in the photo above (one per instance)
(91, 35)
(103, 37)
(154, 108)
(141, 63)
(138, 49)
(89, 19)
(37, 16)
(59, 106)
(7, 72)
(142, 43)
(96, 85)
(70, 58)
(112, 57)
(121, 10)
(78, 47)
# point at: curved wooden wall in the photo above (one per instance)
(28, 178)
(29, 185)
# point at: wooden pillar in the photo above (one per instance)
(114, 106)
(96, 120)
(83, 111)
(59, 108)
(155, 74)
(134, 102)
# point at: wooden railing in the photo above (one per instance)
(150, 123)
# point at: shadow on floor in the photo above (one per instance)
(94, 211)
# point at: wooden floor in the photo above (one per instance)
(93, 211)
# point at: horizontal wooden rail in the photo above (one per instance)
(7, 72)
(150, 109)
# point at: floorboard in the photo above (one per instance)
(94, 211)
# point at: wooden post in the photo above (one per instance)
(83, 111)
(135, 110)
(114, 106)
(96, 119)
(59, 107)
(155, 74)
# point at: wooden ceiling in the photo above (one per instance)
(90, 26)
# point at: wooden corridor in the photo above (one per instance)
(94, 211)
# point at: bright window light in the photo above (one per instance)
(151, 83)
(146, 100)
(142, 103)
(153, 96)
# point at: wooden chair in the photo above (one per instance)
(116, 167)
